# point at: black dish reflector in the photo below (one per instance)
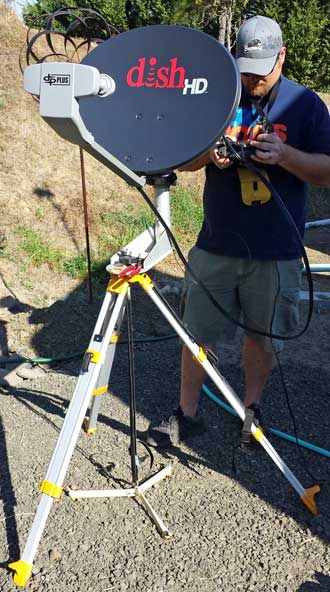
(176, 92)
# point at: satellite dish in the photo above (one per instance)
(176, 92)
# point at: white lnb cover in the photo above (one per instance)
(85, 80)
(107, 85)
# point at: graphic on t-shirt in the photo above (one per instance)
(247, 125)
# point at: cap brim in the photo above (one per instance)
(260, 67)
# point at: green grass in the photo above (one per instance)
(38, 251)
(40, 214)
(118, 229)
(121, 228)
(77, 267)
(187, 214)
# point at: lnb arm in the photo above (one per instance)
(59, 86)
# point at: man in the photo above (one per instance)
(246, 254)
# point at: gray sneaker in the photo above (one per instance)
(176, 428)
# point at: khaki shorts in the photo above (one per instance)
(261, 294)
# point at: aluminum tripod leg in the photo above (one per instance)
(306, 495)
(102, 386)
(51, 487)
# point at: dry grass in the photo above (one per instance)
(325, 97)
(12, 31)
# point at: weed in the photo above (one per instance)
(28, 285)
(3, 242)
(122, 228)
(77, 267)
(40, 214)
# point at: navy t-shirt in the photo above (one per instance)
(232, 228)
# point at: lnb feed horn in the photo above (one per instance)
(83, 81)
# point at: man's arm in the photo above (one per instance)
(210, 156)
(312, 168)
(196, 164)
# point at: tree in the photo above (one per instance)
(219, 18)
(274, 9)
(121, 14)
(140, 13)
(305, 25)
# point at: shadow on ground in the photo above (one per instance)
(322, 584)
(318, 239)
(8, 499)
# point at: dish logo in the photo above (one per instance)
(172, 76)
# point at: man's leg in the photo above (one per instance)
(201, 318)
(185, 422)
(257, 366)
(269, 297)
(192, 378)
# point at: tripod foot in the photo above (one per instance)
(163, 531)
(166, 535)
(23, 572)
(308, 498)
(89, 431)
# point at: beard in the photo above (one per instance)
(257, 89)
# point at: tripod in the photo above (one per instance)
(93, 382)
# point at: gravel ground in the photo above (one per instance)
(237, 523)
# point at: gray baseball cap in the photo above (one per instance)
(258, 44)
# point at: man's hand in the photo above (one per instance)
(311, 168)
(220, 161)
(269, 149)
